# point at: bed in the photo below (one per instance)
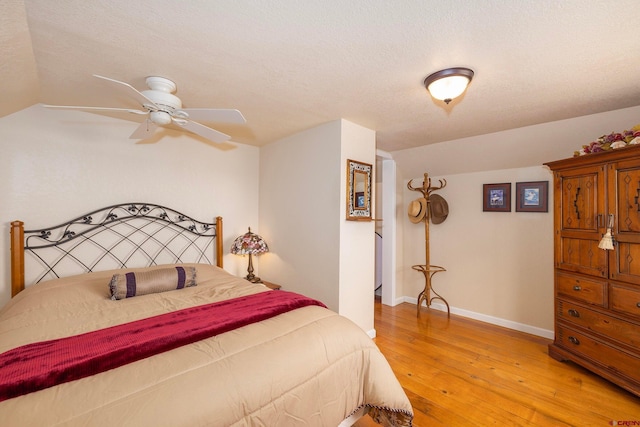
(125, 316)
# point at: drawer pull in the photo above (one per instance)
(638, 304)
(574, 340)
(577, 288)
(573, 313)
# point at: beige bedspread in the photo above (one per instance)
(307, 367)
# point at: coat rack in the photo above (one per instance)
(427, 269)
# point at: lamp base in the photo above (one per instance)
(252, 277)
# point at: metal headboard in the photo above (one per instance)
(128, 235)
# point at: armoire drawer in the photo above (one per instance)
(599, 352)
(624, 299)
(581, 289)
(616, 329)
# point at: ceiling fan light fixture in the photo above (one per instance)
(160, 117)
(449, 83)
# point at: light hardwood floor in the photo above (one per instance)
(461, 372)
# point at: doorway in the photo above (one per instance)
(386, 226)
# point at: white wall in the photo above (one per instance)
(499, 265)
(300, 196)
(313, 249)
(55, 165)
(357, 238)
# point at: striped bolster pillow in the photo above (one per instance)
(130, 284)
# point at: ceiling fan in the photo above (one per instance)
(162, 108)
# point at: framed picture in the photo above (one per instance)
(358, 191)
(532, 196)
(496, 197)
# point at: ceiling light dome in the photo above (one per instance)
(160, 117)
(448, 83)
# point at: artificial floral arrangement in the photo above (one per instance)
(612, 141)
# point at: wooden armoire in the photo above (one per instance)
(597, 291)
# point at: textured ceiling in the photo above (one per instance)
(289, 65)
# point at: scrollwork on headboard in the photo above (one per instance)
(121, 236)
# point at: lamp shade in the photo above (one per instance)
(449, 83)
(249, 244)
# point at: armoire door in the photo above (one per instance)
(624, 182)
(581, 195)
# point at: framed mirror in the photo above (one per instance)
(358, 191)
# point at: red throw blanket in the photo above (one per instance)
(44, 364)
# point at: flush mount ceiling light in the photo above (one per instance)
(448, 83)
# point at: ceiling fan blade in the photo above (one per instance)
(131, 91)
(76, 107)
(145, 130)
(202, 130)
(212, 115)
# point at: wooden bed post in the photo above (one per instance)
(17, 257)
(219, 241)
